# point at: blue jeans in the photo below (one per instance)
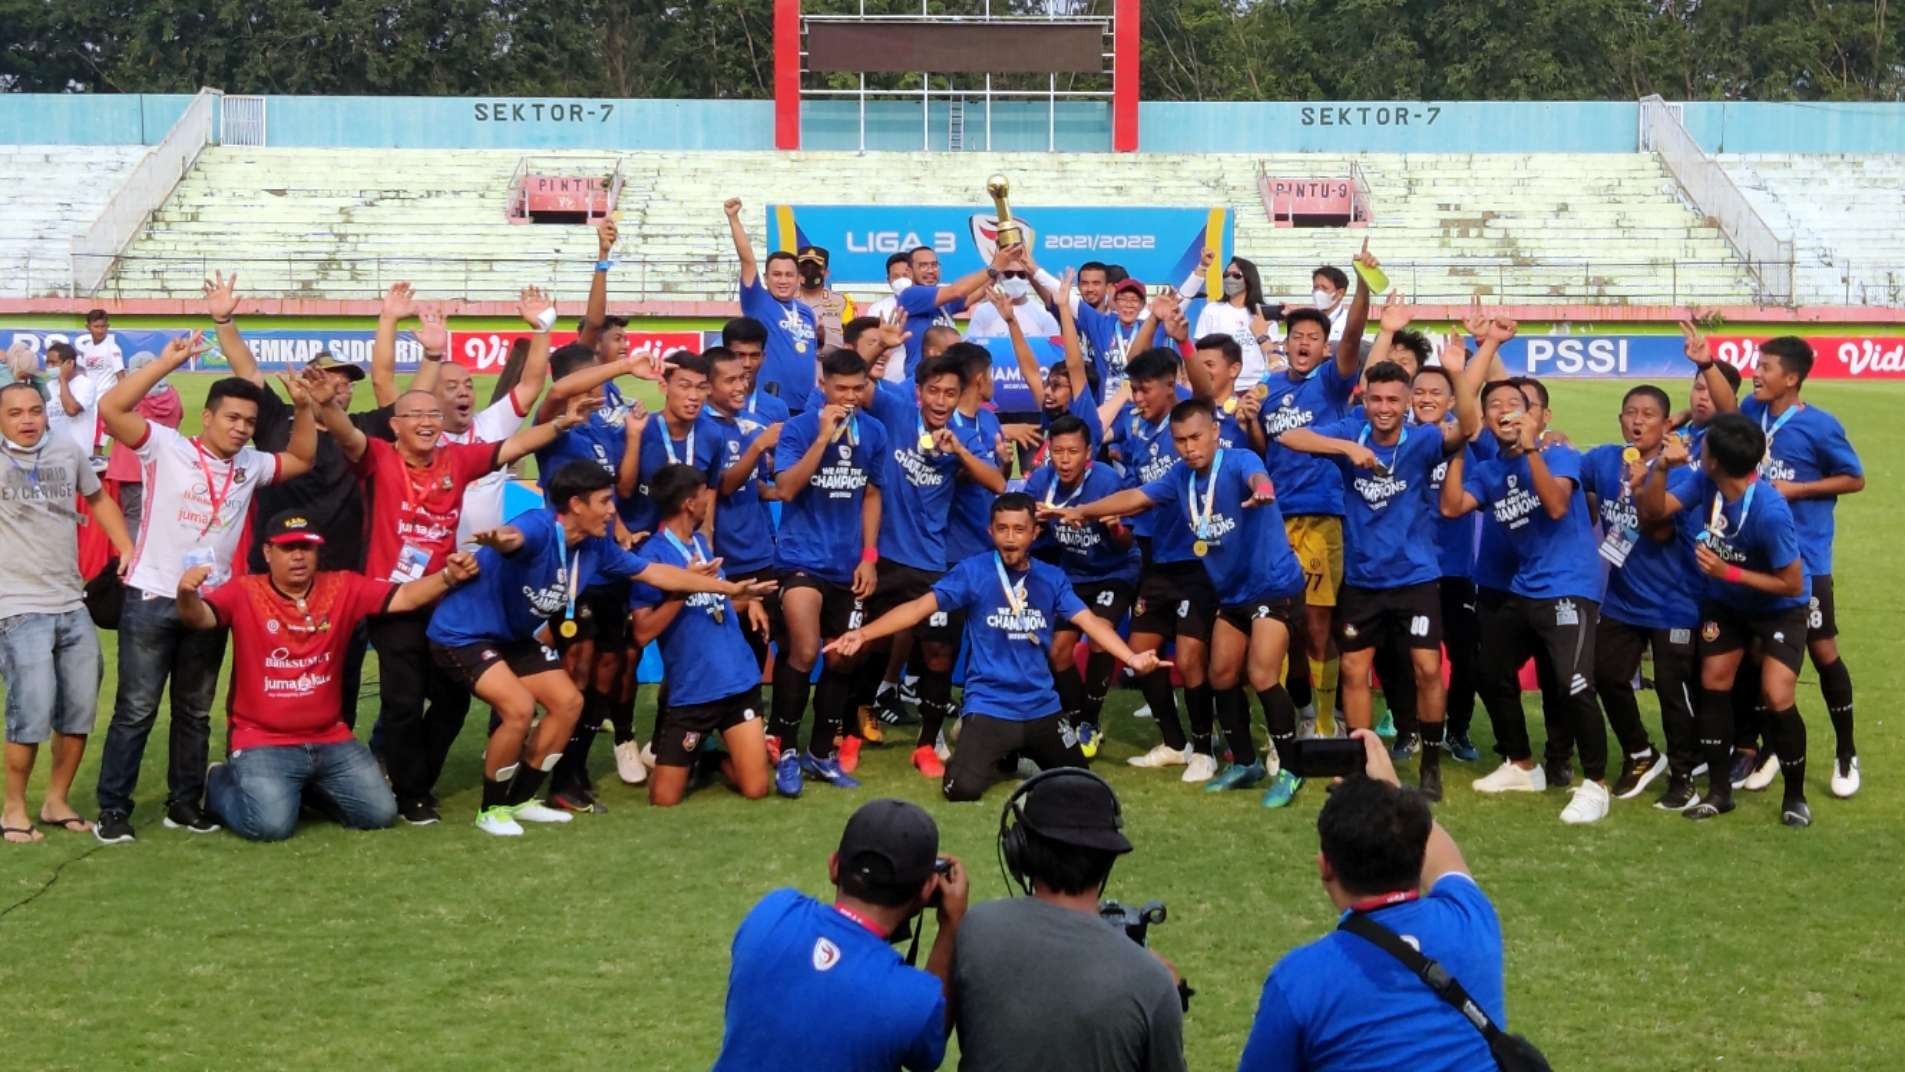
(154, 646)
(257, 793)
(51, 665)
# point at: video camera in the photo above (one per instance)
(1136, 922)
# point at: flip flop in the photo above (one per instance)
(27, 835)
(73, 825)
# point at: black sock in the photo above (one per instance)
(1200, 707)
(1280, 715)
(831, 697)
(495, 792)
(867, 677)
(1432, 736)
(1297, 681)
(1749, 715)
(1835, 684)
(572, 770)
(1789, 740)
(1099, 668)
(935, 704)
(528, 779)
(1233, 711)
(1716, 743)
(790, 704)
(1156, 687)
(1071, 691)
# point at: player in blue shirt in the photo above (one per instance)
(1221, 502)
(1652, 603)
(1213, 370)
(1175, 601)
(927, 459)
(1013, 604)
(1098, 558)
(1711, 379)
(1534, 493)
(1751, 552)
(492, 634)
(1392, 598)
(714, 679)
(793, 328)
(1810, 462)
(828, 468)
(1314, 388)
(927, 303)
(968, 534)
(680, 435)
(798, 965)
(1115, 337)
(750, 425)
(1065, 388)
(1344, 1004)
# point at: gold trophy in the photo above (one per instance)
(1008, 232)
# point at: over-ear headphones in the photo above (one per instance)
(1013, 824)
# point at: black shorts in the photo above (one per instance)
(898, 584)
(525, 658)
(1822, 621)
(1175, 599)
(681, 730)
(1110, 600)
(770, 602)
(840, 609)
(601, 615)
(1781, 633)
(1410, 615)
(1241, 615)
(1051, 741)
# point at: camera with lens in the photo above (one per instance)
(1135, 921)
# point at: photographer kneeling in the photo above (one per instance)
(1044, 982)
(1356, 999)
(820, 987)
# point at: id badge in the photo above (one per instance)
(411, 563)
(1618, 544)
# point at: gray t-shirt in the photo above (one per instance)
(1043, 988)
(39, 526)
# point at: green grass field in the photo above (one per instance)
(1644, 942)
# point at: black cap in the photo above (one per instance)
(889, 842)
(817, 254)
(1079, 811)
(291, 526)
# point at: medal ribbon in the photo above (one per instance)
(219, 497)
(1201, 524)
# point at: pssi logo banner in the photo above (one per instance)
(1861, 357)
(1153, 244)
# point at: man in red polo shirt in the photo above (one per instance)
(413, 490)
(290, 629)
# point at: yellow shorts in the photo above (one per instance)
(1317, 540)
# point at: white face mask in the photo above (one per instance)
(1016, 288)
(1233, 286)
(1323, 299)
(900, 283)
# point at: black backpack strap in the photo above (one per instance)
(1430, 972)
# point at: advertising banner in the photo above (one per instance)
(1153, 244)
(274, 351)
(1835, 357)
(1615, 357)
(488, 351)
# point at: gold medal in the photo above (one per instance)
(1230, 405)
(800, 347)
(925, 441)
(567, 628)
(719, 613)
(1260, 392)
(1630, 455)
(1200, 548)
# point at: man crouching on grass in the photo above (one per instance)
(290, 629)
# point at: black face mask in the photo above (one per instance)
(810, 280)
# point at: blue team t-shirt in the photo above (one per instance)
(1386, 515)
(1147, 452)
(795, 964)
(923, 311)
(1344, 1004)
(1085, 552)
(1757, 531)
(1084, 406)
(1306, 484)
(1008, 639)
(700, 448)
(1495, 561)
(1454, 536)
(600, 439)
(790, 357)
(1249, 555)
(1657, 587)
(512, 595)
(743, 524)
(1805, 444)
(916, 496)
(1108, 342)
(1554, 559)
(968, 531)
(707, 660)
(820, 525)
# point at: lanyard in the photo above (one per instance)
(1373, 903)
(410, 480)
(688, 555)
(668, 443)
(925, 437)
(1362, 437)
(1777, 425)
(32, 475)
(860, 919)
(575, 582)
(754, 402)
(1124, 341)
(218, 498)
(851, 427)
(1201, 524)
(1051, 493)
(1143, 429)
(1014, 596)
(1716, 522)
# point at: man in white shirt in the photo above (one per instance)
(198, 492)
(483, 499)
(98, 351)
(1034, 319)
(1328, 287)
(75, 393)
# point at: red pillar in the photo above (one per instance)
(1124, 76)
(787, 74)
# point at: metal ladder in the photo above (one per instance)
(956, 125)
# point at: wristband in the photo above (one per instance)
(1733, 574)
(871, 554)
(216, 320)
(603, 266)
(428, 356)
(1703, 365)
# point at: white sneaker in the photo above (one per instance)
(1845, 777)
(535, 811)
(1763, 775)
(940, 748)
(1306, 723)
(1588, 806)
(1142, 712)
(628, 762)
(1509, 778)
(498, 821)
(1201, 768)
(1161, 755)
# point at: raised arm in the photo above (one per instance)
(540, 312)
(420, 593)
(1456, 501)
(1695, 346)
(1349, 351)
(119, 407)
(1554, 492)
(596, 313)
(1068, 333)
(790, 480)
(1021, 349)
(1394, 317)
(1470, 377)
(743, 249)
(1654, 503)
(63, 384)
(300, 452)
(628, 471)
(529, 440)
(433, 334)
(317, 387)
(1441, 857)
(1117, 504)
(585, 380)
(399, 305)
(221, 301)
